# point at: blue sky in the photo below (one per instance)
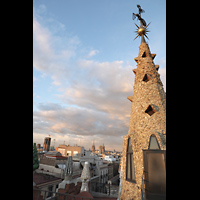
(83, 56)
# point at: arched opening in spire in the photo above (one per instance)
(153, 142)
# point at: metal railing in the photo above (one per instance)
(50, 195)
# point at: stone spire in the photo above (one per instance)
(143, 162)
(68, 172)
(149, 99)
(85, 177)
(148, 118)
(103, 149)
(93, 147)
(68, 169)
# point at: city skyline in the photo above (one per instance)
(52, 142)
(83, 57)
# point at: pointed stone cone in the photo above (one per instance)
(148, 111)
(85, 177)
(86, 172)
(147, 118)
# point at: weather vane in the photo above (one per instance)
(142, 30)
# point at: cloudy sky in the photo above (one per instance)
(83, 56)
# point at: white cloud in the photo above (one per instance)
(51, 52)
(76, 123)
(57, 83)
(34, 78)
(42, 50)
(93, 53)
(101, 86)
(42, 37)
(95, 92)
(96, 102)
(162, 72)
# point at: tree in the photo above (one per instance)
(35, 157)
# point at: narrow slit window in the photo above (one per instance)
(130, 168)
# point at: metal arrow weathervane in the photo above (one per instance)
(142, 30)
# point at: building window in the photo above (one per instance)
(50, 188)
(69, 153)
(130, 168)
(153, 142)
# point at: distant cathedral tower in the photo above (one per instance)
(143, 165)
(100, 149)
(93, 147)
(103, 149)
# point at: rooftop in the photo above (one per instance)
(43, 178)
